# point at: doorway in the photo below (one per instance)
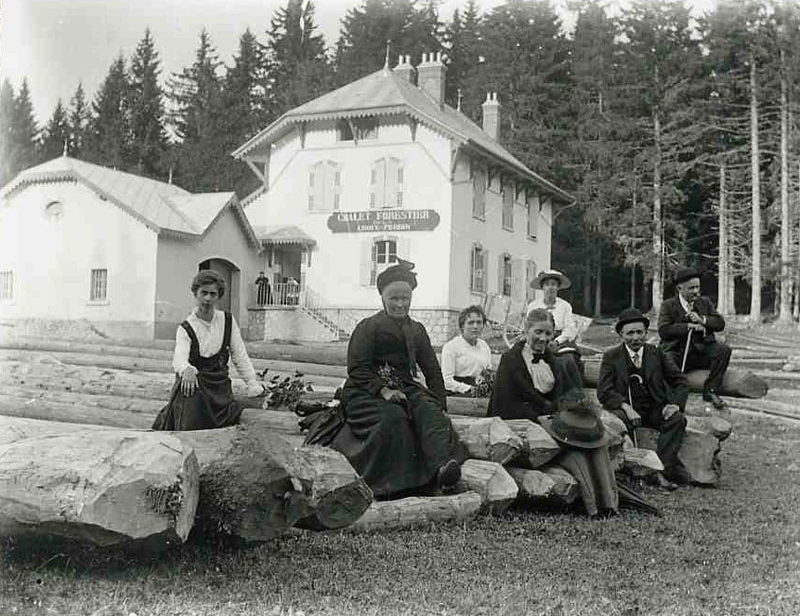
(230, 274)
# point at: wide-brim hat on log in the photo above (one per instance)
(563, 281)
(631, 315)
(575, 425)
(684, 274)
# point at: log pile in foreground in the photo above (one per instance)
(419, 511)
(104, 487)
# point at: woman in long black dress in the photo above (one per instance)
(396, 434)
(202, 397)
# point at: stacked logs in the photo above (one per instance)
(254, 481)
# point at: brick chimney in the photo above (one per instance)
(404, 68)
(491, 116)
(430, 76)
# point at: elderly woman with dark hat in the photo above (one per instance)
(534, 383)
(396, 434)
(202, 397)
(467, 358)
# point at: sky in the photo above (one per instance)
(56, 44)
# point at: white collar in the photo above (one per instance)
(210, 323)
(639, 353)
(686, 306)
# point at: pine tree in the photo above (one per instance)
(244, 99)
(298, 67)
(109, 139)
(147, 110)
(196, 94)
(55, 137)
(79, 118)
(361, 48)
(24, 130)
(464, 52)
(8, 163)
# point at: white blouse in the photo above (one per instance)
(460, 358)
(562, 315)
(209, 338)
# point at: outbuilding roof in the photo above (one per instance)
(384, 92)
(165, 208)
(284, 234)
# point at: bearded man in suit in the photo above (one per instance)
(691, 319)
(640, 384)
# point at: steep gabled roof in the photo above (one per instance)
(386, 93)
(165, 208)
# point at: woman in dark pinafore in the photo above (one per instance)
(202, 397)
(396, 434)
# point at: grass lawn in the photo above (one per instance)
(730, 550)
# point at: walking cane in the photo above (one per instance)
(686, 350)
(630, 401)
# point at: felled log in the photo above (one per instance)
(699, 453)
(104, 487)
(492, 482)
(487, 438)
(737, 383)
(254, 483)
(767, 407)
(418, 511)
(538, 447)
(641, 462)
(715, 426)
(546, 487)
(470, 407)
(121, 362)
(32, 408)
(134, 405)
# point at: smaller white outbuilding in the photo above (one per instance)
(116, 252)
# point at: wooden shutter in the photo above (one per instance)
(336, 172)
(365, 265)
(311, 181)
(377, 196)
(390, 182)
(473, 269)
(500, 273)
(485, 265)
(518, 279)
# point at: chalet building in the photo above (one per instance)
(81, 243)
(382, 168)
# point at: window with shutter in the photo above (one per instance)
(324, 186)
(533, 216)
(478, 269)
(383, 254)
(386, 183)
(506, 279)
(6, 285)
(508, 206)
(530, 275)
(478, 192)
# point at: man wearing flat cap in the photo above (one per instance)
(686, 325)
(642, 385)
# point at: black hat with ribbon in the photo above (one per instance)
(575, 424)
(402, 271)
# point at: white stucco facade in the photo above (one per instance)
(52, 236)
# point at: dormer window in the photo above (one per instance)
(357, 129)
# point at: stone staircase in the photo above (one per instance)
(340, 334)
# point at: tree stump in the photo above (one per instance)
(699, 454)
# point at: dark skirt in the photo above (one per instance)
(210, 406)
(396, 448)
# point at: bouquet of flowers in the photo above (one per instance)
(390, 376)
(483, 384)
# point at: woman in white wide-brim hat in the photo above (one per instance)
(550, 282)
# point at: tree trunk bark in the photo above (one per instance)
(491, 481)
(723, 268)
(658, 228)
(598, 283)
(755, 296)
(786, 272)
(587, 285)
(416, 511)
(736, 383)
(633, 285)
(101, 486)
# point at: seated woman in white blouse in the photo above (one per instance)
(466, 356)
(566, 330)
(202, 397)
